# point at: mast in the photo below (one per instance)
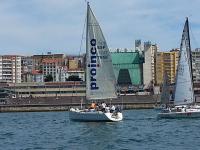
(88, 7)
(87, 18)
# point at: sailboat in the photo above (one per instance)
(165, 94)
(100, 78)
(184, 100)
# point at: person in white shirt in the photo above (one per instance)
(103, 106)
(112, 109)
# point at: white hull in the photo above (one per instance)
(81, 115)
(188, 113)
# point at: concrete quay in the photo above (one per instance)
(65, 103)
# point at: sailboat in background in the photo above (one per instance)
(165, 94)
(184, 100)
(100, 78)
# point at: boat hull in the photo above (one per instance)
(96, 116)
(173, 115)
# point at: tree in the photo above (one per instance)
(48, 78)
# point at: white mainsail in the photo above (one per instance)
(184, 93)
(100, 78)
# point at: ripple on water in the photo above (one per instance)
(140, 129)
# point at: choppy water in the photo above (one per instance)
(139, 130)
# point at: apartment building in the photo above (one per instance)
(166, 62)
(50, 67)
(10, 68)
(37, 60)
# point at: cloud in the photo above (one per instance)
(38, 26)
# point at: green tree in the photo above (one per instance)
(48, 78)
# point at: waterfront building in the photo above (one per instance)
(51, 67)
(37, 76)
(38, 60)
(166, 62)
(10, 68)
(127, 67)
(26, 68)
(33, 76)
(196, 70)
(27, 77)
(26, 64)
(196, 65)
(149, 64)
(73, 64)
(48, 89)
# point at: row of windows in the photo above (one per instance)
(43, 87)
(51, 92)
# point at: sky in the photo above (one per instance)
(29, 27)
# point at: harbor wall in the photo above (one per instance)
(65, 103)
(42, 108)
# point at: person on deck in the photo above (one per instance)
(93, 105)
(112, 109)
(103, 106)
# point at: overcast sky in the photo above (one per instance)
(37, 26)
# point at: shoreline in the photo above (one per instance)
(65, 103)
(65, 107)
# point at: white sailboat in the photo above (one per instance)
(184, 100)
(165, 94)
(100, 78)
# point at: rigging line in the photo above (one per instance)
(193, 37)
(82, 36)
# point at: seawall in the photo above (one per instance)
(65, 103)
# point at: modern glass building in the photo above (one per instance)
(128, 67)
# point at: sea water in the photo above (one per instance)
(140, 130)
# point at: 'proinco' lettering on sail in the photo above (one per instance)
(93, 65)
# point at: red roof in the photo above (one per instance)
(50, 60)
(35, 72)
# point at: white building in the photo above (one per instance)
(50, 67)
(27, 64)
(10, 68)
(149, 64)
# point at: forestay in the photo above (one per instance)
(100, 78)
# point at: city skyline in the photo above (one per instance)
(36, 27)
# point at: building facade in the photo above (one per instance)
(37, 60)
(127, 67)
(166, 62)
(10, 68)
(149, 64)
(48, 89)
(51, 67)
(196, 65)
